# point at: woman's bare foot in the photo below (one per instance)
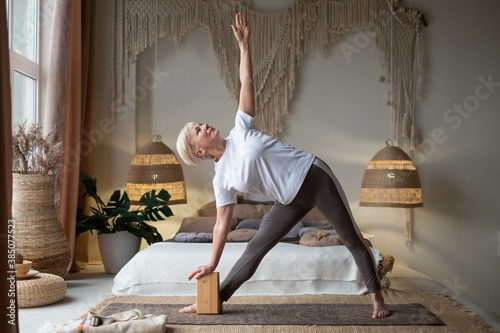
(189, 309)
(380, 310)
(192, 308)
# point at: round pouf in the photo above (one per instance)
(42, 289)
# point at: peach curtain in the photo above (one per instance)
(9, 322)
(69, 100)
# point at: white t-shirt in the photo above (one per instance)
(257, 163)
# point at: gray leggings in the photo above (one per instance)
(321, 189)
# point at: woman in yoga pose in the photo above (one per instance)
(250, 161)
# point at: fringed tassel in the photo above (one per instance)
(404, 126)
(413, 140)
(410, 217)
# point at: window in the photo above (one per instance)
(23, 18)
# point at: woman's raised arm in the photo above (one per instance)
(247, 97)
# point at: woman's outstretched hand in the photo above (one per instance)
(201, 271)
(241, 29)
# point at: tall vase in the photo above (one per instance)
(39, 234)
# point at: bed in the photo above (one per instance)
(310, 260)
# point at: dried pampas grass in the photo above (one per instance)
(34, 153)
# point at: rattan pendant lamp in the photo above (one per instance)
(391, 180)
(156, 167)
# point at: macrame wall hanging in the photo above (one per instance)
(279, 40)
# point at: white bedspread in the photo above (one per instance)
(288, 269)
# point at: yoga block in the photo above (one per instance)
(207, 294)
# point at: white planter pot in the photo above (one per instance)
(117, 249)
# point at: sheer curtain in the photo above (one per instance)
(70, 99)
(5, 182)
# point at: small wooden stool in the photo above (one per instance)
(207, 294)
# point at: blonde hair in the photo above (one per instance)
(187, 148)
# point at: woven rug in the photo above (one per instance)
(309, 313)
(288, 314)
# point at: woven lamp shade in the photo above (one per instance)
(391, 180)
(156, 167)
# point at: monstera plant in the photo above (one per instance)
(121, 229)
(116, 214)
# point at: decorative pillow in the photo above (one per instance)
(241, 235)
(207, 209)
(193, 237)
(319, 224)
(311, 239)
(306, 230)
(249, 224)
(294, 233)
(244, 211)
(201, 224)
(314, 215)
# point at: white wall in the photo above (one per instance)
(458, 229)
(339, 112)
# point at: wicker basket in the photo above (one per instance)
(39, 234)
